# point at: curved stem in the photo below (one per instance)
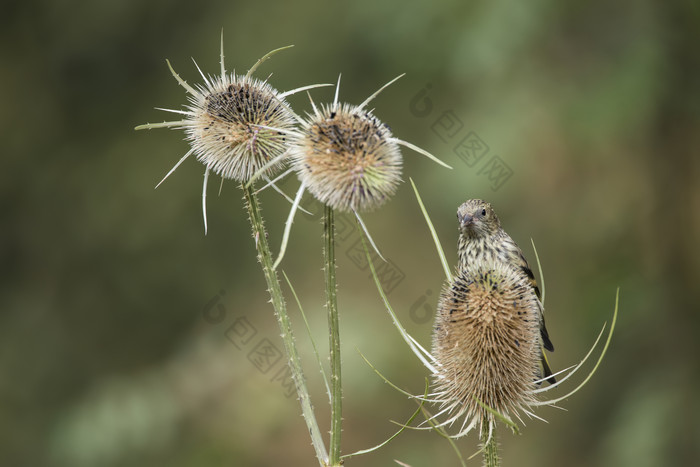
(273, 285)
(334, 336)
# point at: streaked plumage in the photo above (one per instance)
(483, 241)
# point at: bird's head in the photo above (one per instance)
(477, 218)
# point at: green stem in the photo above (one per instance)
(334, 336)
(273, 285)
(491, 458)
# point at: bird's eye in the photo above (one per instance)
(483, 212)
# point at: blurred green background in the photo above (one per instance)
(106, 357)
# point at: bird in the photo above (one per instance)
(482, 240)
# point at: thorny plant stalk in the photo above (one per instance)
(273, 285)
(490, 447)
(334, 336)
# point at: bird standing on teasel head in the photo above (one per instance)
(481, 241)
(489, 338)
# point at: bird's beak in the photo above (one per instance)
(466, 220)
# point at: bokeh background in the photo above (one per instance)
(106, 357)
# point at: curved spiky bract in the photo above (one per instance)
(486, 343)
(228, 125)
(347, 158)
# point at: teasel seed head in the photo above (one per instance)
(347, 159)
(229, 126)
(486, 345)
(236, 125)
(228, 122)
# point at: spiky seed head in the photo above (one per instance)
(230, 125)
(235, 124)
(486, 343)
(347, 158)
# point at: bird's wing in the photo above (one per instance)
(521, 263)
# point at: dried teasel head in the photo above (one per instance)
(229, 126)
(486, 355)
(486, 346)
(228, 119)
(347, 158)
(236, 125)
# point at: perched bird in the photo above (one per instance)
(483, 241)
